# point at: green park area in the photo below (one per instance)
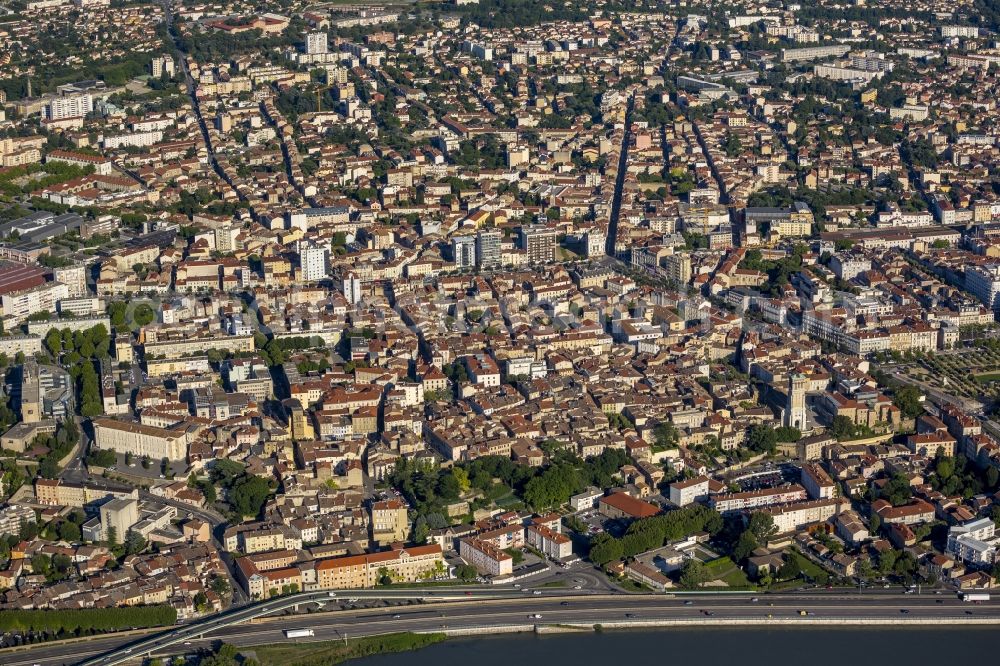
(325, 653)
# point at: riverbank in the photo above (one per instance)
(325, 653)
(797, 621)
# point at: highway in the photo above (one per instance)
(454, 611)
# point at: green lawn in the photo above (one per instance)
(724, 569)
(810, 568)
(987, 377)
(736, 578)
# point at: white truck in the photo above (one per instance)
(975, 596)
(299, 633)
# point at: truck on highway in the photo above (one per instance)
(299, 633)
(975, 596)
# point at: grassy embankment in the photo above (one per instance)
(335, 652)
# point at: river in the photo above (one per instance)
(751, 646)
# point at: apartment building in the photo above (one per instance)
(984, 283)
(403, 565)
(917, 511)
(755, 499)
(487, 558)
(975, 542)
(18, 305)
(539, 243)
(686, 492)
(817, 482)
(140, 440)
(553, 544)
(800, 515)
(186, 346)
(63, 493)
(389, 521)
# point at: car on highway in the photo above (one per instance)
(535, 616)
(564, 603)
(688, 603)
(577, 587)
(536, 592)
(904, 611)
(630, 615)
(396, 616)
(754, 600)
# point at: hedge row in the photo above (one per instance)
(87, 620)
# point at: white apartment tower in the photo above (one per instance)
(70, 106)
(316, 42)
(463, 249)
(314, 263)
(74, 277)
(351, 286)
(488, 248)
(161, 64)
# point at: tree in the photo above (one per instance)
(945, 468)
(112, 537)
(41, 564)
(248, 495)
(745, 545)
(466, 572)
(134, 543)
(118, 311)
(907, 399)
(461, 478)
(762, 526)
(220, 586)
(143, 314)
(693, 574)
(665, 435)
(762, 439)
(605, 549)
(53, 342)
(69, 531)
(791, 569)
(842, 427)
